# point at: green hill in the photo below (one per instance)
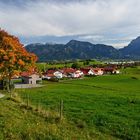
(72, 50)
(84, 50)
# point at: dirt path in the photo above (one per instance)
(1, 95)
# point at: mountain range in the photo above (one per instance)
(83, 50)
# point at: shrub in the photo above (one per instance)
(54, 80)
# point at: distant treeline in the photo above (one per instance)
(83, 63)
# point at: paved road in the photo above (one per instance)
(27, 85)
(1, 95)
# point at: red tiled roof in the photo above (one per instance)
(97, 69)
(85, 71)
(50, 75)
(27, 74)
(50, 71)
(68, 70)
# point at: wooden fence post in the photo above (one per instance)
(61, 109)
(38, 106)
(27, 100)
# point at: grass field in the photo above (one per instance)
(105, 107)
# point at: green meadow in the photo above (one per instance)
(103, 107)
(57, 65)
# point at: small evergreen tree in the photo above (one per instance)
(75, 65)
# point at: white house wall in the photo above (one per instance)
(58, 74)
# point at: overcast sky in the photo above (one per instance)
(113, 22)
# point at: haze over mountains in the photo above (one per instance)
(84, 50)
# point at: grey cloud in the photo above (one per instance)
(98, 20)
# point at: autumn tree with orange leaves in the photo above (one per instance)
(13, 57)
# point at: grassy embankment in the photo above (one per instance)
(105, 107)
(21, 122)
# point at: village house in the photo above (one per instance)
(30, 78)
(75, 73)
(52, 74)
(48, 76)
(92, 71)
(117, 72)
(97, 71)
(72, 73)
(58, 74)
(87, 71)
(67, 72)
(111, 70)
(79, 73)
